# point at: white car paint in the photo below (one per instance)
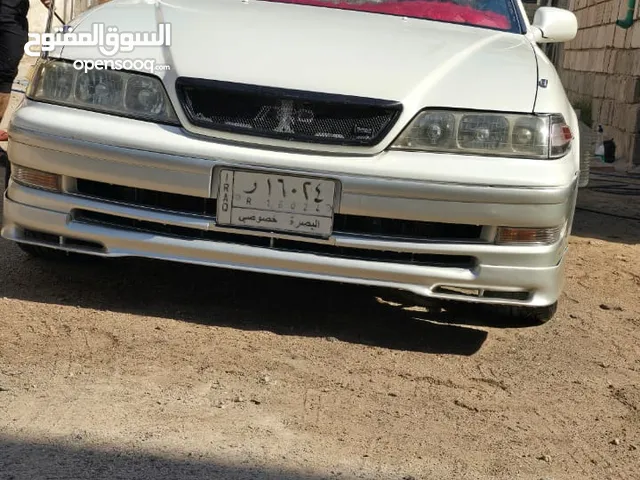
(417, 62)
(301, 47)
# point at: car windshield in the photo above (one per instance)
(494, 14)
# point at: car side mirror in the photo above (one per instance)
(554, 25)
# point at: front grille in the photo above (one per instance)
(412, 230)
(170, 202)
(443, 261)
(381, 228)
(286, 114)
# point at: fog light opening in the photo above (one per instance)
(458, 291)
(67, 243)
(528, 236)
(36, 178)
(504, 295)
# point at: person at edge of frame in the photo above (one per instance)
(14, 34)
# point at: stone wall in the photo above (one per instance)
(37, 16)
(38, 13)
(601, 69)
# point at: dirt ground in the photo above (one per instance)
(149, 370)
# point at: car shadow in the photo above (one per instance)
(227, 298)
(22, 460)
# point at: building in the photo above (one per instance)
(600, 70)
(67, 9)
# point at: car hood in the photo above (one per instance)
(417, 62)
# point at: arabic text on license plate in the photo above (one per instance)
(276, 202)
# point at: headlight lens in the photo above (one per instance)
(487, 133)
(115, 92)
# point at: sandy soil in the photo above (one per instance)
(138, 369)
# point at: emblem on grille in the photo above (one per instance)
(287, 115)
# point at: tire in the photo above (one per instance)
(501, 315)
(54, 255)
(43, 252)
(529, 316)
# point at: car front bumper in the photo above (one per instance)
(139, 156)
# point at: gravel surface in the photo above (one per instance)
(150, 370)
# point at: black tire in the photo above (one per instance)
(43, 252)
(54, 255)
(500, 315)
(529, 315)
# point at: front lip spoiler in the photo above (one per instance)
(543, 283)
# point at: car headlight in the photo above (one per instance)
(487, 133)
(115, 92)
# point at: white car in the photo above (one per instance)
(422, 146)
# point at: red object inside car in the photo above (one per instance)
(428, 10)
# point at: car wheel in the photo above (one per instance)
(507, 315)
(43, 252)
(529, 315)
(54, 255)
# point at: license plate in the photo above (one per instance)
(277, 203)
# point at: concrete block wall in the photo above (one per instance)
(65, 8)
(601, 67)
(37, 16)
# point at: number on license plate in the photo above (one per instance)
(273, 202)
